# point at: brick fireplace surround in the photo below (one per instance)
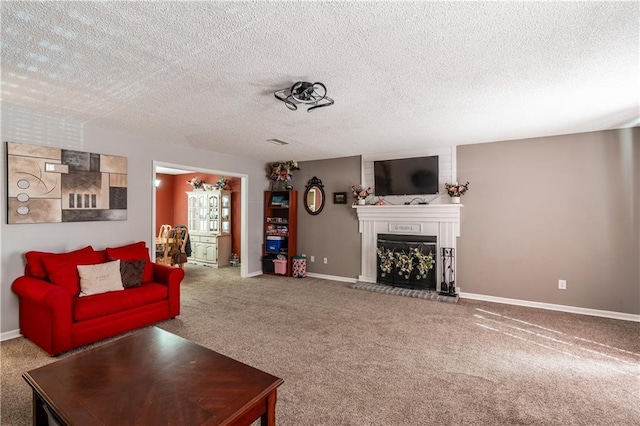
(440, 220)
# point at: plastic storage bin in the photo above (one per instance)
(274, 244)
(299, 267)
(280, 266)
(267, 263)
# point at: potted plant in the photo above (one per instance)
(360, 193)
(456, 190)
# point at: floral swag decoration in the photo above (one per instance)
(456, 190)
(196, 183)
(221, 183)
(405, 262)
(282, 171)
(360, 192)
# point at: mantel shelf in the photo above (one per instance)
(411, 206)
(421, 212)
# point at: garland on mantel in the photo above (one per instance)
(405, 262)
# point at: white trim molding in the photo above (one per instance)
(8, 335)
(552, 307)
(331, 277)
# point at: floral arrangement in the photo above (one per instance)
(222, 182)
(385, 257)
(405, 262)
(360, 192)
(456, 190)
(282, 171)
(196, 183)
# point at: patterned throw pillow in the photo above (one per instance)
(134, 251)
(100, 278)
(131, 272)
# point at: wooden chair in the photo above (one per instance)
(179, 255)
(162, 237)
(163, 245)
(164, 230)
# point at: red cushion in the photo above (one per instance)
(62, 269)
(135, 251)
(36, 268)
(99, 305)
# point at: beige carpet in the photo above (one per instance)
(353, 357)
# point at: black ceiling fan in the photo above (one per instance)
(303, 92)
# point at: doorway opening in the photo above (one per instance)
(181, 173)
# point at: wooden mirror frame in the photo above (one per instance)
(316, 185)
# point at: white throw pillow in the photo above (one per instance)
(100, 278)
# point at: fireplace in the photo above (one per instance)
(441, 221)
(403, 261)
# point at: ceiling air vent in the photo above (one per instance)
(277, 142)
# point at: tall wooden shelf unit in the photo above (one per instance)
(280, 220)
(209, 223)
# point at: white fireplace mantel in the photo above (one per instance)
(440, 220)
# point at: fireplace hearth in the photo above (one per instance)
(402, 260)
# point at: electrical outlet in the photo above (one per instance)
(562, 284)
(325, 260)
(313, 258)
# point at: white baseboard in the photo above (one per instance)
(332, 277)
(253, 274)
(552, 307)
(8, 335)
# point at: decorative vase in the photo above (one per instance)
(362, 201)
(455, 200)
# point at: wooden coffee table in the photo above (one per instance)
(152, 377)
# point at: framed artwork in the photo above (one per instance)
(53, 185)
(339, 198)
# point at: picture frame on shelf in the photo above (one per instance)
(339, 198)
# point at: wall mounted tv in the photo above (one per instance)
(406, 176)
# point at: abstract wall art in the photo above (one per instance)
(48, 185)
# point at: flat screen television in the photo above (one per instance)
(406, 176)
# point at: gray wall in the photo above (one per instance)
(334, 232)
(23, 126)
(544, 209)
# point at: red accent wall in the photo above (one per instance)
(175, 201)
(164, 201)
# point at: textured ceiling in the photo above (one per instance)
(403, 75)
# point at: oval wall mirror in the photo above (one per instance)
(314, 196)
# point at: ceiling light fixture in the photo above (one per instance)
(303, 92)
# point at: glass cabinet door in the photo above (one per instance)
(202, 212)
(225, 213)
(214, 215)
(193, 213)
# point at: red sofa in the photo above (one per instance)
(56, 318)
